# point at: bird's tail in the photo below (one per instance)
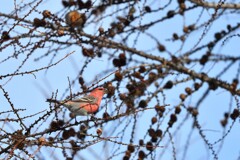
(53, 101)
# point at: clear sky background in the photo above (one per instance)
(30, 92)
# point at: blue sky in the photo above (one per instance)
(30, 92)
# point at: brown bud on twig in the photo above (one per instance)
(168, 85)
(99, 131)
(41, 140)
(154, 120)
(118, 76)
(39, 22)
(188, 90)
(75, 19)
(46, 14)
(131, 148)
(5, 35)
(183, 97)
(235, 114)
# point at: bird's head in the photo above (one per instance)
(98, 91)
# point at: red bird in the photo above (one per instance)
(88, 104)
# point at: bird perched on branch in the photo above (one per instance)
(75, 19)
(88, 104)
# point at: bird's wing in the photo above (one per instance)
(86, 99)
